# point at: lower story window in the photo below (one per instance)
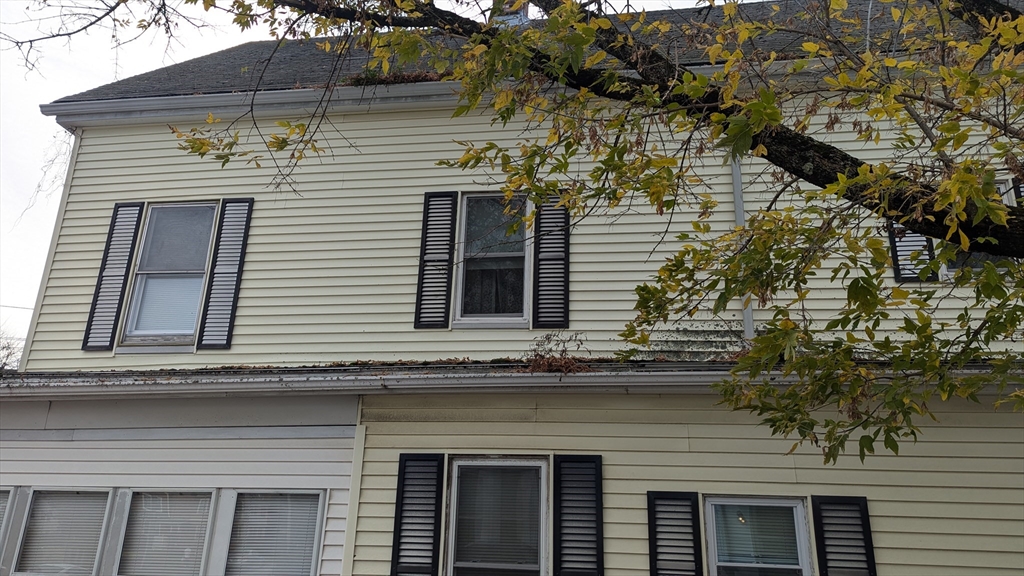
(757, 537)
(498, 520)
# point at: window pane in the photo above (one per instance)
(751, 534)
(498, 520)
(493, 286)
(273, 535)
(63, 533)
(166, 534)
(487, 228)
(167, 304)
(177, 238)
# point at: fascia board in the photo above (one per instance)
(115, 385)
(306, 101)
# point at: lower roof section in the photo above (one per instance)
(370, 379)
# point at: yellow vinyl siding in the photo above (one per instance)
(331, 266)
(951, 505)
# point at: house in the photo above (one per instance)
(224, 377)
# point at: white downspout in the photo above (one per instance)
(740, 213)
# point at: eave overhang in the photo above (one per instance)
(305, 101)
(611, 377)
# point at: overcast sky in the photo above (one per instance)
(28, 139)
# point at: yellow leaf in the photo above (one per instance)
(900, 293)
(890, 62)
(595, 58)
(477, 50)
(837, 5)
(810, 47)
(896, 14)
(729, 9)
(603, 23)
(663, 162)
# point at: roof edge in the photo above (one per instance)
(32, 386)
(269, 103)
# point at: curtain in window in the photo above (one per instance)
(273, 535)
(166, 534)
(63, 533)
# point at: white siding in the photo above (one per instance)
(290, 444)
(951, 505)
(330, 271)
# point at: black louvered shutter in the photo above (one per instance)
(551, 267)
(903, 244)
(673, 533)
(579, 518)
(225, 273)
(417, 543)
(107, 301)
(843, 534)
(437, 253)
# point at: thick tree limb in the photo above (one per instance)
(812, 160)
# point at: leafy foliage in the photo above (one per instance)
(931, 90)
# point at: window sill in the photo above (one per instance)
(490, 324)
(155, 349)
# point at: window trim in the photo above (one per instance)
(494, 321)
(800, 520)
(542, 463)
(135, 282)
(104, 528)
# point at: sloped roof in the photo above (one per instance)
(302, 65)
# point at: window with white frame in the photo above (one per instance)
(62, 535)
(477, 247)
(170, 273)
(174, 276)
(757, 537)
(493, 267)
(497, 518)
(163, 533)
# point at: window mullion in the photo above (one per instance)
(220, 533)
(110, 546)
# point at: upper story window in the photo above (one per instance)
(182, 292)
(912, 252)
(493, 267)
(503, 275)
(170, 274)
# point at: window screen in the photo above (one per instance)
(494, 275)
(497, 521)
(756, 540)
(273, 535)
(166, 534)
(172, 266)
(63, 533)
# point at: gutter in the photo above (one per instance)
(271, 103)
(439, 379)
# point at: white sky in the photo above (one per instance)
(27, 137)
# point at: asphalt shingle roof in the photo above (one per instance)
(303, 65)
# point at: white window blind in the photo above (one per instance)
(273, 535)
(63, 533)
(166, 534)
(4, 495)
(752, 535)
(498, 520)
(168, 304)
